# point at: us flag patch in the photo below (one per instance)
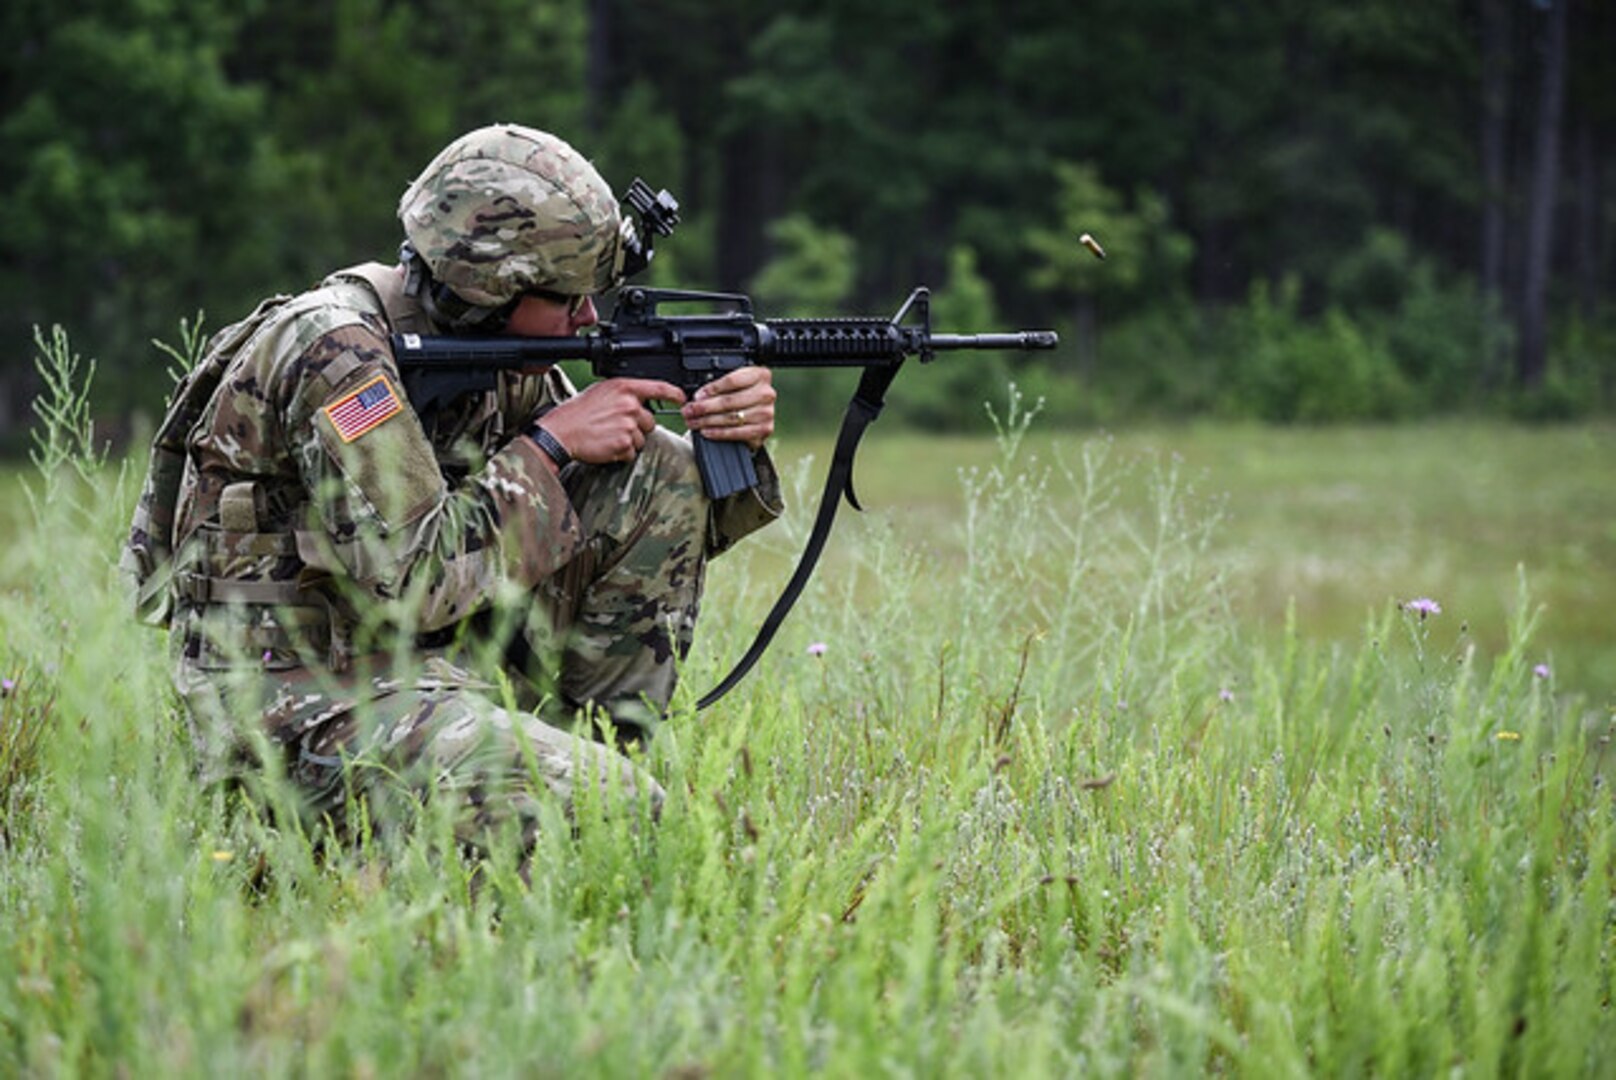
(363, 409)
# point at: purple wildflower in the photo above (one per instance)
(268, 656)
(1541, 671)
(817, 648)
(7, 685)
(1225, 695)
(1423, 606)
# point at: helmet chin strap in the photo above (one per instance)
(443, 306)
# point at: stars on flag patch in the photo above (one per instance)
(363, 409)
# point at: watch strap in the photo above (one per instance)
(550, 445)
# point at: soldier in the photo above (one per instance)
(342, 568)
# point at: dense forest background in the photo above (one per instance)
(1315, 210)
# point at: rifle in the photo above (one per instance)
(639, 341)
(690, 351)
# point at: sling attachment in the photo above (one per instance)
(201, 590)
(862, 410)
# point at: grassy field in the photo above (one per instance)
(1336, 522)
(1119, 757)
(1326, 524)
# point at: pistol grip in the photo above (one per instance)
(726, 467)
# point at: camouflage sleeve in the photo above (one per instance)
(521, 397)
(392, 524)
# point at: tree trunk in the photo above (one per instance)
(598, 66)
(1588, 236)
(11, 420)
(743, 208)
(1532, 361)
(1495, 79)
(1086, 318)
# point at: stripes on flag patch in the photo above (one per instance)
(363, 409)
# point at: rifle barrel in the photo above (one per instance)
(1016, 339)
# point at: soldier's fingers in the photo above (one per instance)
(723, 407)
(752, 426)
(653, 390)
(726, 420)
(741, 379)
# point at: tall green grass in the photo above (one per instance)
(1329, 524)
(1047, 809)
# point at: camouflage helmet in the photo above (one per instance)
(505, 209)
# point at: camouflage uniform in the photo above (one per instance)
(365, 586)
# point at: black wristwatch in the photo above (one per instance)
(550, 445)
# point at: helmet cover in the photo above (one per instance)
(505, 209)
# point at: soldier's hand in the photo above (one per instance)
(609, 420)
(737, 408)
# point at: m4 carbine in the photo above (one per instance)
(692, 350)
(689, 351)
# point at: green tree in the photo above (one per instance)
(138, 185)
(365, 92)
(811, 273)
(165, 156)
(949, 395)
(1144, 253)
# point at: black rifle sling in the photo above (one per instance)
(861, 411)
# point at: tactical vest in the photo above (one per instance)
(147, 562)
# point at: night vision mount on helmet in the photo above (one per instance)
(659, 213)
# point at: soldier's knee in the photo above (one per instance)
(674, 498)
(672, 461)
(660, 490)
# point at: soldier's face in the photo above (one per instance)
(539, 315)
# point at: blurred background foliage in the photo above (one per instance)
(1315, 211)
